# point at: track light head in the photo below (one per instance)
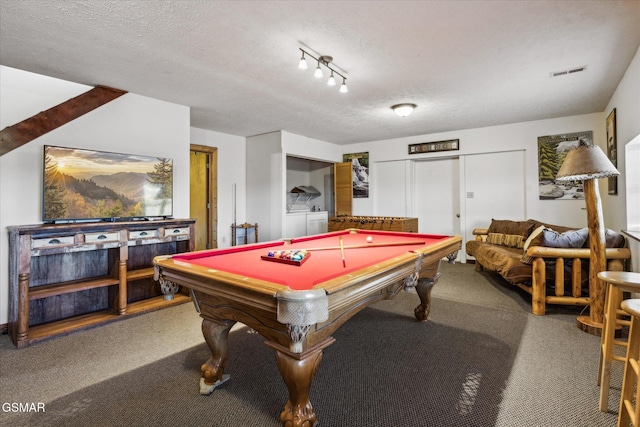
(303, 63)
(343, 86)
(332, 80)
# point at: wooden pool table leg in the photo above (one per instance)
(423, 288)
(216, 334)
(298, 371)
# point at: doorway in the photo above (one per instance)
(203, 196)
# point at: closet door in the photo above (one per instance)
(437, 196)
(343, 188)
(494, 188)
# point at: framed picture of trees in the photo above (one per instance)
(552, 150)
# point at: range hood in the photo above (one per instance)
(300, 196)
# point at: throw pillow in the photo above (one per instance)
(568, 239)
(495, 238)
(513, 241)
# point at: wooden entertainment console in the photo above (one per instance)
(68, 277)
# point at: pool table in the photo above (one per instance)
(297, 306)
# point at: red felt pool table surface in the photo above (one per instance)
(321, 266)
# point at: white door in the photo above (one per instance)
(494, 188)
(390, 182)
(437, 196)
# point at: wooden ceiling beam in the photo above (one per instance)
(29, 129)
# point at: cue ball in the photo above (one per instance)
(369, 239)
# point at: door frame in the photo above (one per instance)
(212, 191)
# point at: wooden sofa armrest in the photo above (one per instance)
(480, 233)
(544, 252)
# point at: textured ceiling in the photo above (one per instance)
(466, 64)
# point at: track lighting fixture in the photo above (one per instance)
(324, 60)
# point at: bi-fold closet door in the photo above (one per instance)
(453, 195)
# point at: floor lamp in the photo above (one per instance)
(587, 163)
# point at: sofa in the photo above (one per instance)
(550, 262)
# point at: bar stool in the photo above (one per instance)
(631, 379)
(614, 318)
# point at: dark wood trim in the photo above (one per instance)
(632, 234)
(29, 129)
(212, 192)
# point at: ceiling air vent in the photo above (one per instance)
(565, 72)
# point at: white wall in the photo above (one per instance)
(626, 101)
(266, 179)
(517, 136)
(309, 148)
(130, 124)
(231, 172)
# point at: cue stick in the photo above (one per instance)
(344, 264)
(368, 245)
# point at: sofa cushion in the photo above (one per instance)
(612, 239)
(558, 228)
(506, 226)
(505, 261)
(569, 239)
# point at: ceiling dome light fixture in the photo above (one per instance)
(324, 60)
(403, 110)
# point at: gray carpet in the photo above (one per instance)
(481, 360)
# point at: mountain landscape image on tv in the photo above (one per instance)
(84, 184)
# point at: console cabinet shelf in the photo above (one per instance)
(68, 277)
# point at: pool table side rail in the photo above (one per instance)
(203, 278)
(431, 253)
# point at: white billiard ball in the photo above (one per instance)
(369, 239)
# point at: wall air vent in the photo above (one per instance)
(565, 72)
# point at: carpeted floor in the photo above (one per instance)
(481, 360)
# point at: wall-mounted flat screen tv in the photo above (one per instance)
(84, 184)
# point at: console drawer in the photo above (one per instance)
(52, 242)
(182, 231)
(143, 234)
(101, 237)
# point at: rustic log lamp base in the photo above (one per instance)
(587, 163)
